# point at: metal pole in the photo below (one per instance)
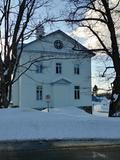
(48, 106)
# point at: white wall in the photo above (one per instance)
(29, 81)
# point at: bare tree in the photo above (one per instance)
(101, 18)
(15, 28)
(95, 90)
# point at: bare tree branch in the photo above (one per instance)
(110, 67)
(118, 2)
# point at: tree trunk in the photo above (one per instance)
(115, 98)
(4, 102)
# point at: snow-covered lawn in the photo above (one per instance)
(59, 123)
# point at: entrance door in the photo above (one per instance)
(61, 95)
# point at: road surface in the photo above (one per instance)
(60, 150)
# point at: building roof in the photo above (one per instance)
(78, 46)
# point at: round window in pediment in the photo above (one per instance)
(58, 44)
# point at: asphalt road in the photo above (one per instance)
(59, 151)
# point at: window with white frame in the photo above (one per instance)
(39, 68)
(76, 92)
(58, 68)
(39, 93)
(76, 69)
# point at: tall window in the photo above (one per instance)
(76, 69)
(39, 68)
(39, 93)
(76, 92)
(58, 68)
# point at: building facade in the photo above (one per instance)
(58, 73)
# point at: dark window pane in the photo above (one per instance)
(39, 93)
(76, 69)
(39, 68)
(77, 92)
(58, 68)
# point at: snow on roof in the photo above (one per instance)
(59, 123)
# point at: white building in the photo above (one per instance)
(60, 71)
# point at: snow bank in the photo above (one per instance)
(59, 123)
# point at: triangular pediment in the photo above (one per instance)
(61, 81)
(47, 44)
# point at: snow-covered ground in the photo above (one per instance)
(101, 108)
(59, 123)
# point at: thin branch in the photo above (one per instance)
(100, 40)
(89, 8)
(80, 20)
(115, 5)
(110, 67)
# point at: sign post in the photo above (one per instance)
(48, 99)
